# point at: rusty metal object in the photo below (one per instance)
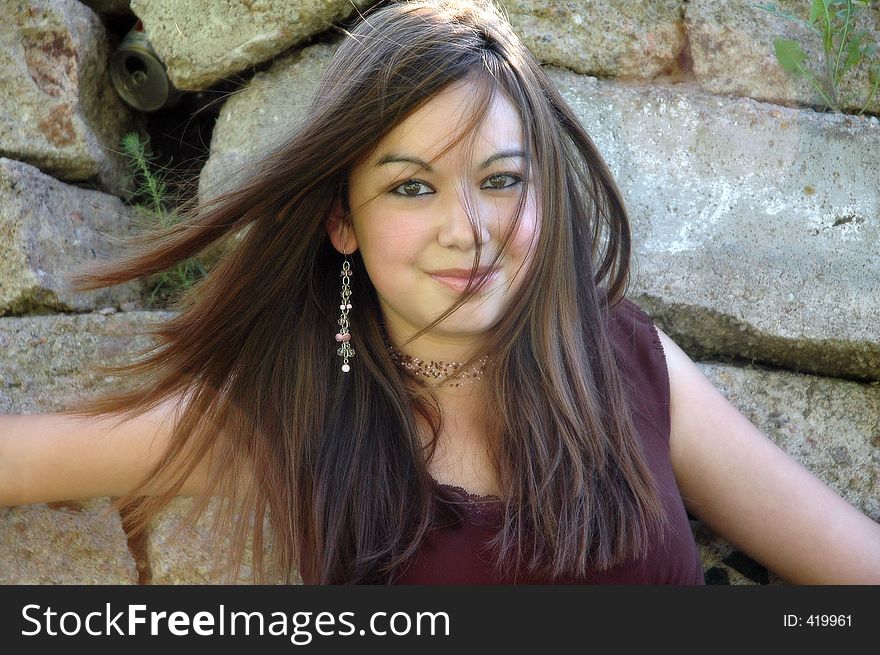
(139, 76)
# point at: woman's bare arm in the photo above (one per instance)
(52, 457)
(751, 493)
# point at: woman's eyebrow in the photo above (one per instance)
(392, 158)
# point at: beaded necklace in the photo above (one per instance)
(437, 370)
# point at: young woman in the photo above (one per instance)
(418, 364)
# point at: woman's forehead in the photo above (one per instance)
(439, 122)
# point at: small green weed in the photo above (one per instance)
(155, 207)
(844, 48)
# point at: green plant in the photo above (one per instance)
(155, 207)
(844, 48)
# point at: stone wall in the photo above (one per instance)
(756, 220)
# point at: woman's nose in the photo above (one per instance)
(456, 230)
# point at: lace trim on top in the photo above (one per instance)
(478, 509)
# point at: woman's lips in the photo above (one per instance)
(458, 283)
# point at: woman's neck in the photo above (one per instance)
(432, 346)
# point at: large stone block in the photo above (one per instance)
(755, 227)
(64, 543)
(731, 46)
(204, 42)
(47, 228)
(831, 426)
(46, 362)
(616, 38)
(260, 115)
(59, 109)
(257, 118)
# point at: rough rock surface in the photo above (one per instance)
(202, 43)
(64, 543)
(260, 115)
(617, 38)
(47, 230)
(45, 366)
(46, 362)
(731, 47)
(831, 426)
(66, 118)
(755, 227)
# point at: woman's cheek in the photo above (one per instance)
(388, 250)
(525, 238)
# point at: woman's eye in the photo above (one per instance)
(413, 188)
(497, 181)
(410, 189)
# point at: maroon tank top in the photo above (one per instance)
(459, 554)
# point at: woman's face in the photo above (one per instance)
(410, 224)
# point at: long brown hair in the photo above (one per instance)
(330, 465)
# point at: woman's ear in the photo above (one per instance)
(340, 230)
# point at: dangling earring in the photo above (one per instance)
(345, 351)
